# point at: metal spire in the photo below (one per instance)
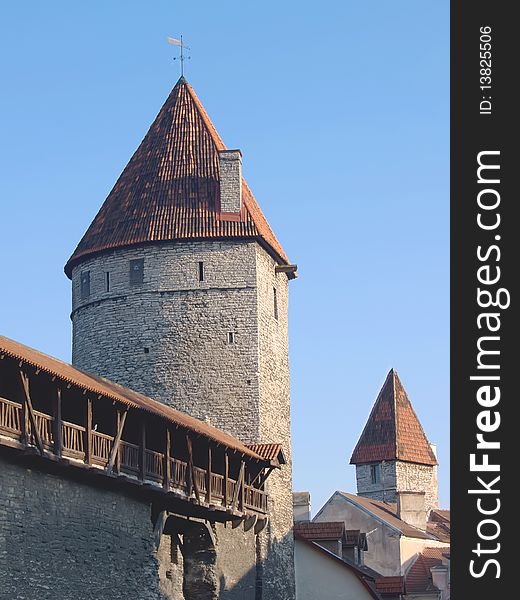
(182, 46)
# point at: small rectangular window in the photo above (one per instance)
(275, 304)
(137, 271)
(231, 337)
(85, 284)
(107, 281)
(201, 271)
(375, 473)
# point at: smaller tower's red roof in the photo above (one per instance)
(393, 431)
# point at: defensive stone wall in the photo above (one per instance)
(201, 326)
(413, 477)
(169, 336)
(383, 490)
(399, 476)
(64, 539)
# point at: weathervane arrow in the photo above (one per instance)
(178, 42)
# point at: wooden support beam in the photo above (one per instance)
(250, 522)
(114, 451)
(240, 483)
(191, 482)
(226, 478)
(57, 432)
(159, 528)
(25, 426)
(142, 451)
(243, 490)
(88, 431)
(189, 473)
(167, 463)
(261, 524)
(262, 476)
(30, 411)
(208, 477)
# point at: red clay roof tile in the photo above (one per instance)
(419, 578)
(170, 189)
(269, 451)
(390, 585)
(393, 431)
(387, 511)
(325, 530)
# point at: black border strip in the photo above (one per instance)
(483, 122)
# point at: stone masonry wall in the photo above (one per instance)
(230, 181)
(275, 419)
(419, 478)
(64, 539)
(168, 337)
(399, 476)
(385, 490)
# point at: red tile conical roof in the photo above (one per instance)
(170, 189)
(393, 431)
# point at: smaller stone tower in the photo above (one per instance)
(393, 454)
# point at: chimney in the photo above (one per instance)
(302, 506)
(411, 509)
(441, 580)
(230, 181)
(434, 449)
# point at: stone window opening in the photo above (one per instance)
(375, 473)
(275, 304)
(231, 337)
(201, 271)
(85, 284)
(137, 271)
(146, 350)
(107, 281)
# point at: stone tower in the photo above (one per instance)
(180, 291)
(393, 454)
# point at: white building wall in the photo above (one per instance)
(321, 577)
(383, 553)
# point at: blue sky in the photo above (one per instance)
(341, 110)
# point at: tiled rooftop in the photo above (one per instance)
(170, 189)
(419, 578)
(326, 530)
(393, 431)
(387, 511)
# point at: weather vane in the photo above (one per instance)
(182, 47)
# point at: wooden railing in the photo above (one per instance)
(153, 464)
(10, 416)
(200, 479)
(73, 446)
(44, 427)
(129, 457)
(255, 499)
(178, 474)
(217, 486)
(73, 440)
(101, 447)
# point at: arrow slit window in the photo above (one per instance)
(137, 271)
(85, 284)
(375, 473)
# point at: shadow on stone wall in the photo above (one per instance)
(225, 563)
